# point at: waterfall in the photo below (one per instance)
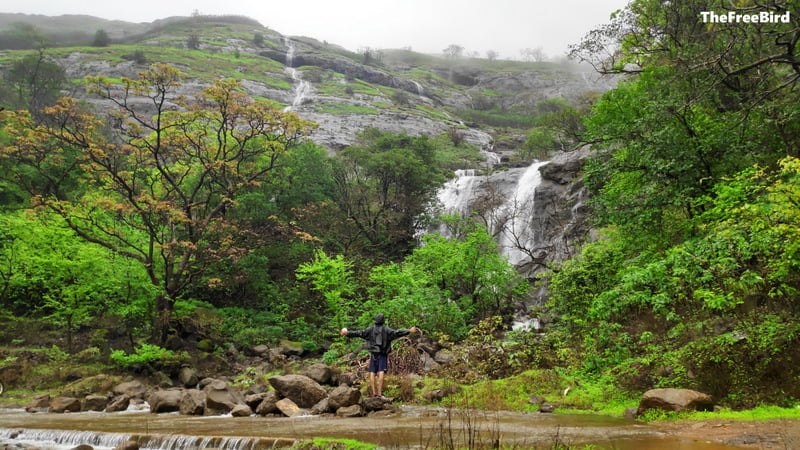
(302, 88)
(517, 233)
(64, 440)
(511, 222)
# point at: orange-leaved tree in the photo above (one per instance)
(154, 178)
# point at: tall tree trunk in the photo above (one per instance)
(163, 312)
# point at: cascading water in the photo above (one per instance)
(302, 88)
(516, 237)
(511, 222)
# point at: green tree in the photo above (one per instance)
(36, 83)
(49, 271)
(333, 277)
(383, 186)
(164, 181)
(101, 38)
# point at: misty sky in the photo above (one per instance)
(429, 26)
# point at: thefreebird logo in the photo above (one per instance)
(735, 17)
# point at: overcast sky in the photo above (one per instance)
(428, 26)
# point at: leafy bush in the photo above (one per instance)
(148, 355)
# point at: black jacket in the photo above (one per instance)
(379, 337)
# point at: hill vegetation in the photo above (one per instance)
(179, 206)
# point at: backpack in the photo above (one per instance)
(380, 336)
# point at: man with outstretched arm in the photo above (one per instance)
(379, 342)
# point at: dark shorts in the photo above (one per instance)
(378, 362)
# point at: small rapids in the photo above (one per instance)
(409, 427)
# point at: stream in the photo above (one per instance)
(410, 427)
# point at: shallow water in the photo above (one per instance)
(411, 427)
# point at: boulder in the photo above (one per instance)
(253, 400)
(677, 400)
(221, 398)
(321, 407)
(118, 403)
(301, 389)
(127, 445)
(39, 403)
(269, 404)
(289, 408)
(133, 389)
(375, 403)
(320, 373)
(95, 403)
(65, 405)
(241, 410)
(343, 396)
(350, 411)
(193, 403)
(165, 400)
(187, 377)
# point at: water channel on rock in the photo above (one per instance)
(410, 427)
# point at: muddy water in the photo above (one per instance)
(411, 427)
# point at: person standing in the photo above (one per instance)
(379, 339)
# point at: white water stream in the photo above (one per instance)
(302, 88)
(512, 222)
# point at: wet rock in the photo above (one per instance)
(375, 403)
(677, 400)
(82, 447)
(39, 403)
(631, 413)
(95, 403)
(289, 408)
(301, 389)
(269, 404)
(187, 377)
(165, 400)
(241, 410)
(193, 403)
(322, 407)
(65, 404)
(133, 389)
(118, 403)
(320, 373)
(350, 411)
(253, 400)
(221, 398)
(343, 396)
(127, 445)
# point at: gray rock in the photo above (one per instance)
(165, 400)
(118, 403)
(65, 404)
(193, 403)
(221, 398)
(133, 389)
(677, 400)
(95, 403)
(241, 411)
(268, 404)
(301, 389)
(289, 408)
(319, 372)
(350, 411)
(343, 396)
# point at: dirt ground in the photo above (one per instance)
(770, 434)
